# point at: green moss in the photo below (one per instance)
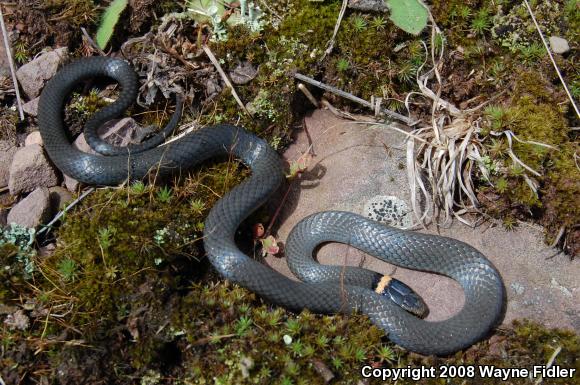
(535, 115)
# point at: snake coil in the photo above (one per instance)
(480, 281)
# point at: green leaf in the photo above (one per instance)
(409, 15)
(108, 22)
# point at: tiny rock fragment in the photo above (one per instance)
(244, 73)
(323, 370)
(17, 320)
(559, 45)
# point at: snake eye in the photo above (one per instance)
(402, 295)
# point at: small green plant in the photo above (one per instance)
(509, 223)
(164, 194)
(496, 116)
(532, 53)
(105, 236)
(197, 205)
(359, 23)
(293, 326)
(296, 347)
(337, 363)
(21, 52)
(379, 23)
(385, 353)
(109, 21)
(67, 269)
(243, 325)
(501, 185)
(322, 340)
(342, 65)
(360, 354)
(481, 22)
(138, 187)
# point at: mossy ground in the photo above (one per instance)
(128, 297)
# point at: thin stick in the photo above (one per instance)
(308, 94)
(218, 67)
(74, 203)
(353, 98)
(330, 44)
(552, 59)
(11, 63)
(92, 42)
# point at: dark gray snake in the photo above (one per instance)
(332, 289)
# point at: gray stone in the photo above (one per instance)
(7, 151)
(33, 75)
(30, 169)
(31, 107)
(33, 138)
(559, 45)
(59, 196)
(80, 143)
(368, 5)
(352, 166)
(244, 73)
(122, 132)
(71, 183)
(33, 210)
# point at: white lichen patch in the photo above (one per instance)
(389, 210)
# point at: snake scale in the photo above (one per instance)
(324, 292)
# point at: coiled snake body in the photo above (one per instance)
(480, 281)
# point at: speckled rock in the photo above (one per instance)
(31, 107)
(7, 151)
(30, 169)
(33, 210)
(559, 45)
(368, 5)
(352, 166)
(33, 138)
(33, 75)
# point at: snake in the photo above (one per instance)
(321, 289)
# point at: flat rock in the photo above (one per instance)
(33, 210)
(33, 138)
(368, 5)
(34, 74)
(122, 132)
(559, 45)
(244, 73)
(7, 151)
(353, 166)
(30, 169)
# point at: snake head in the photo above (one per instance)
(402, 295)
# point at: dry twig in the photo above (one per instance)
(11, 63)
(220, 70)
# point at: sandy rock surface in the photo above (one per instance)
(354, 164)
